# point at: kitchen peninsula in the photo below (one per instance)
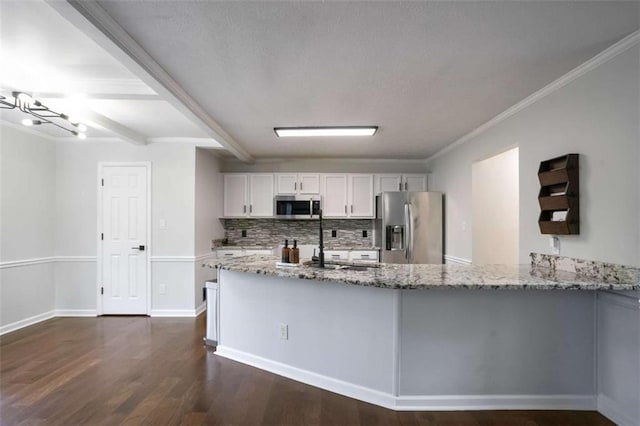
(427, 337)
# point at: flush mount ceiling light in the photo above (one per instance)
(43, 115)
(285, 132)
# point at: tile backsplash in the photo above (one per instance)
(349, 232)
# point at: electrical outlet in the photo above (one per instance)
(364, 233)
(334, 233)
(163, 289)
(284, 331)
(244, 233)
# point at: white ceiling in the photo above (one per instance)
(425, 72)
(43, 54)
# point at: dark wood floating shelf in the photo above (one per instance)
(559, 195)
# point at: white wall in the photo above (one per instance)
(495, 205)
(208, 208)
(27, 182)
(595, 115)
(172, 199)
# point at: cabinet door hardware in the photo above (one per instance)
(352, 208)
(345, 209)
(300, 186)
(244, 208)
(400, 186)
(406, 186)
(250, 208)
(295, 186)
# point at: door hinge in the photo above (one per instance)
(102, 180)
(101, 290)
(102, 237)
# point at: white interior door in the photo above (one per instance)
(124, 244)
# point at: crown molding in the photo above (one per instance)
(601, 58)
(95, 22)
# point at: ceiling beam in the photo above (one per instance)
(94, 119)
(94, 21)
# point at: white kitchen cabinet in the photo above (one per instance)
(225, 254)
(235, 195)
(286, 183)
(336, 255)
(248, 195)
(414, 182)
(297, 183)
(348, 196)
(334, 195)
(364, 255)
(400, 182)
(388, 183)
(360, 196)
(261, 195)
(309, 183)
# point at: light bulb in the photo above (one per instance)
(82, 136)
(28, 122)
(82, 127)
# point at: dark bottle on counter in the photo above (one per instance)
(294, 254)
(285, 252)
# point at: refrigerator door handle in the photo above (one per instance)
(407, 230)
(410, 232)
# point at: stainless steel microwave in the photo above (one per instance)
(297, 206)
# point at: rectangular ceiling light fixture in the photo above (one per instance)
(285, 132)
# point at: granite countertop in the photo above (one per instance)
(399, 276)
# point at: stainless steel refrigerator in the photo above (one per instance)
(409, 227)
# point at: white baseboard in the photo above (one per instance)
(200, 309)
(418, 402)
(190, 313)
(26, 322)
(76, 313)
(453, 260)
(324, 382)
(495, 402)
(612, 410)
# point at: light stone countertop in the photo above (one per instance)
(400, 276)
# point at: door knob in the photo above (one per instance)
(141, 248)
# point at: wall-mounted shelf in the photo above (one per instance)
(559, 195)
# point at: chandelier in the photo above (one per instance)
(42, 114)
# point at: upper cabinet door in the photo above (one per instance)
(234, 198)
(415, 183)
(361, 196)
(286, 184)
(261, 195)
(309, 183)
(388, 183)
(334, 195)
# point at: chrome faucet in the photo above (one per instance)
(321, 254)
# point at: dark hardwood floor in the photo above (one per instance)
(138, 370)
